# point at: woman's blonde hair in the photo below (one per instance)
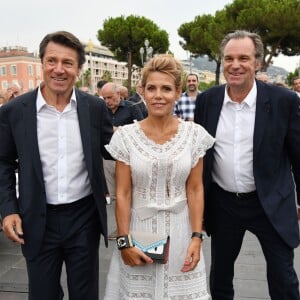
(164, 63)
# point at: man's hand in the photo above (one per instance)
(12, 228)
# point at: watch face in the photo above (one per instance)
(121, 242)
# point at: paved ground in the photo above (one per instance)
(250, 279)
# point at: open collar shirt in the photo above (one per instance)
(60, 146)
(185, 107)
(233, 156)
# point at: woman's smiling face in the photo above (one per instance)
(160, 94)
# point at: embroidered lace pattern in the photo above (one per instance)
(159, 173)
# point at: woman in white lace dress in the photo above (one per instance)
(159, 190)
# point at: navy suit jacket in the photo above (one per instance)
(19, 150)
(137, 100)
(276, 154)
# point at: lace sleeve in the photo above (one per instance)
(202, 141)
(117, 146)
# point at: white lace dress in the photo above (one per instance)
(159, 204)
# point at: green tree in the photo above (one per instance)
(84, 79)
(204, 86)
(291, 76)
(276, 21)
(203, 36)
(124, 36)
(107, 76)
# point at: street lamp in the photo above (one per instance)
(148, 50)
(142, 51)
(90, 47)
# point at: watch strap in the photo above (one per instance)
(199, 235)
(124, 241)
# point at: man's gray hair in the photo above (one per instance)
(241, 34)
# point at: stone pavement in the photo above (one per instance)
(250, 279)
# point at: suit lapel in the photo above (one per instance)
(31, 139)
(263, 108)
(85, 130)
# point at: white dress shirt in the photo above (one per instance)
(60, 146)
(233, 157)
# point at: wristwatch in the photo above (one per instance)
(124, 241)
(199, 235)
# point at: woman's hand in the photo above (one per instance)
(135, 257)
(193, 255)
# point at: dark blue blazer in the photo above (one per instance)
(19, 143)
(276, 153)
(137, 100)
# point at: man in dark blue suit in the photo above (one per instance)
(137, 99)
(55, 136)
(252, 174)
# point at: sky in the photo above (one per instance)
(26, 22)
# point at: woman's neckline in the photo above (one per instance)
(163, 142)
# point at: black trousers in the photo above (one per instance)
(233, 215)
(72, 237)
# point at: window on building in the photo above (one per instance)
(30, 70)
(2, 70)
(13, 70)
(30, 84)
(38, 70)
(4, 85)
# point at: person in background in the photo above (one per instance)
(263, 76)
(100, 85)
(252, 174)
(2, 98)
(121, 112)
(281, 84)
(138, 99)
(13, 90)
(159, 190)
(85, 89)
(55, 136)
(123, 92)
(296, 85)
(185, 106)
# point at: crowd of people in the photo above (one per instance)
(13, 90)
(223, 161)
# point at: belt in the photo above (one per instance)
(65, 206)
(249, 195)
(246, 195)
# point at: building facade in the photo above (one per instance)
(19, 66)
(100, 60)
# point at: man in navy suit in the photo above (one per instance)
(137, 99)
(252, 174)
(55, 136)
